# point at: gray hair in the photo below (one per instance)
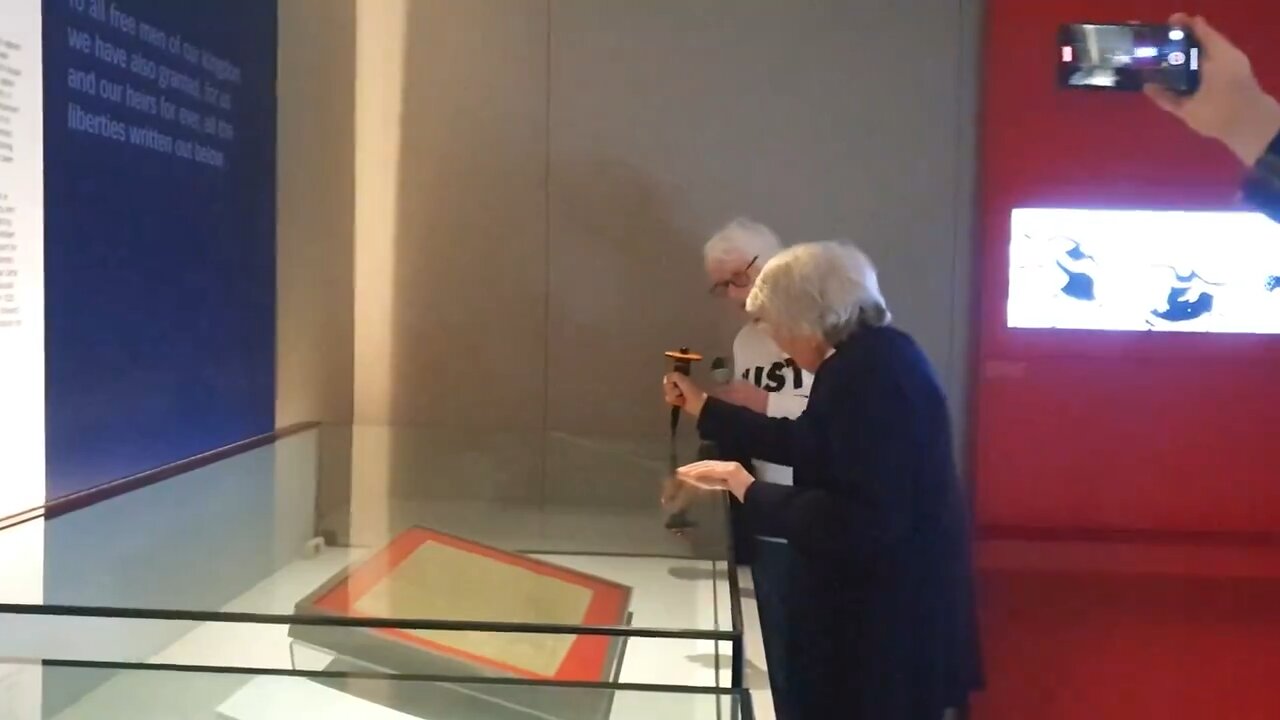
(742, 239)
(827, 289)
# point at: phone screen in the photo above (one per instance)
(1127, 57)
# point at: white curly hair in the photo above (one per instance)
(740, 241)
(826, 289)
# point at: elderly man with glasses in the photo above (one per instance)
(769, 383)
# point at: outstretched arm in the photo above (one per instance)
(1262, 187)
(863, 501)
(861, 505)
(1232, 108)
(772, 439)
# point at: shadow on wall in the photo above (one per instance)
(626, 284)
(468, 311)
(623, 278)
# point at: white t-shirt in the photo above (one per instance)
(759, 361)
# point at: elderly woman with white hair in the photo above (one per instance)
(882, 615)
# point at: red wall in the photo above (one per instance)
(1128, 431)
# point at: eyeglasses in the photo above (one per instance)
(740, 279)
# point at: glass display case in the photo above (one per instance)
(386, 551)
(143, 692)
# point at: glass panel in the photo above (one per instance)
(682, 661)
(389, 524)
(77, 692)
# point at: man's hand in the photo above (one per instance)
(741, 392)
(679, 390)
(1230, 105)
(718, 475)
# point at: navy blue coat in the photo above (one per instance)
(882, 606)
(1262, 187)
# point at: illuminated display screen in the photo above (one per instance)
(1137, 270)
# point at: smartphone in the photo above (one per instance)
(1127, 57)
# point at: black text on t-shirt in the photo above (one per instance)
(774, 377)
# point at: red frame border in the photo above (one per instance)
(588, 654)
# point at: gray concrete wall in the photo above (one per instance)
(557, 166)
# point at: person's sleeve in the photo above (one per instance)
(732, 448)
(725, 449)
(770, 439)
(865, 505)
(1262, 186)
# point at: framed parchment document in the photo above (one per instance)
(425, 575)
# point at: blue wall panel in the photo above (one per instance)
(160, 270)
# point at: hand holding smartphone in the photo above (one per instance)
(1128, 57)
